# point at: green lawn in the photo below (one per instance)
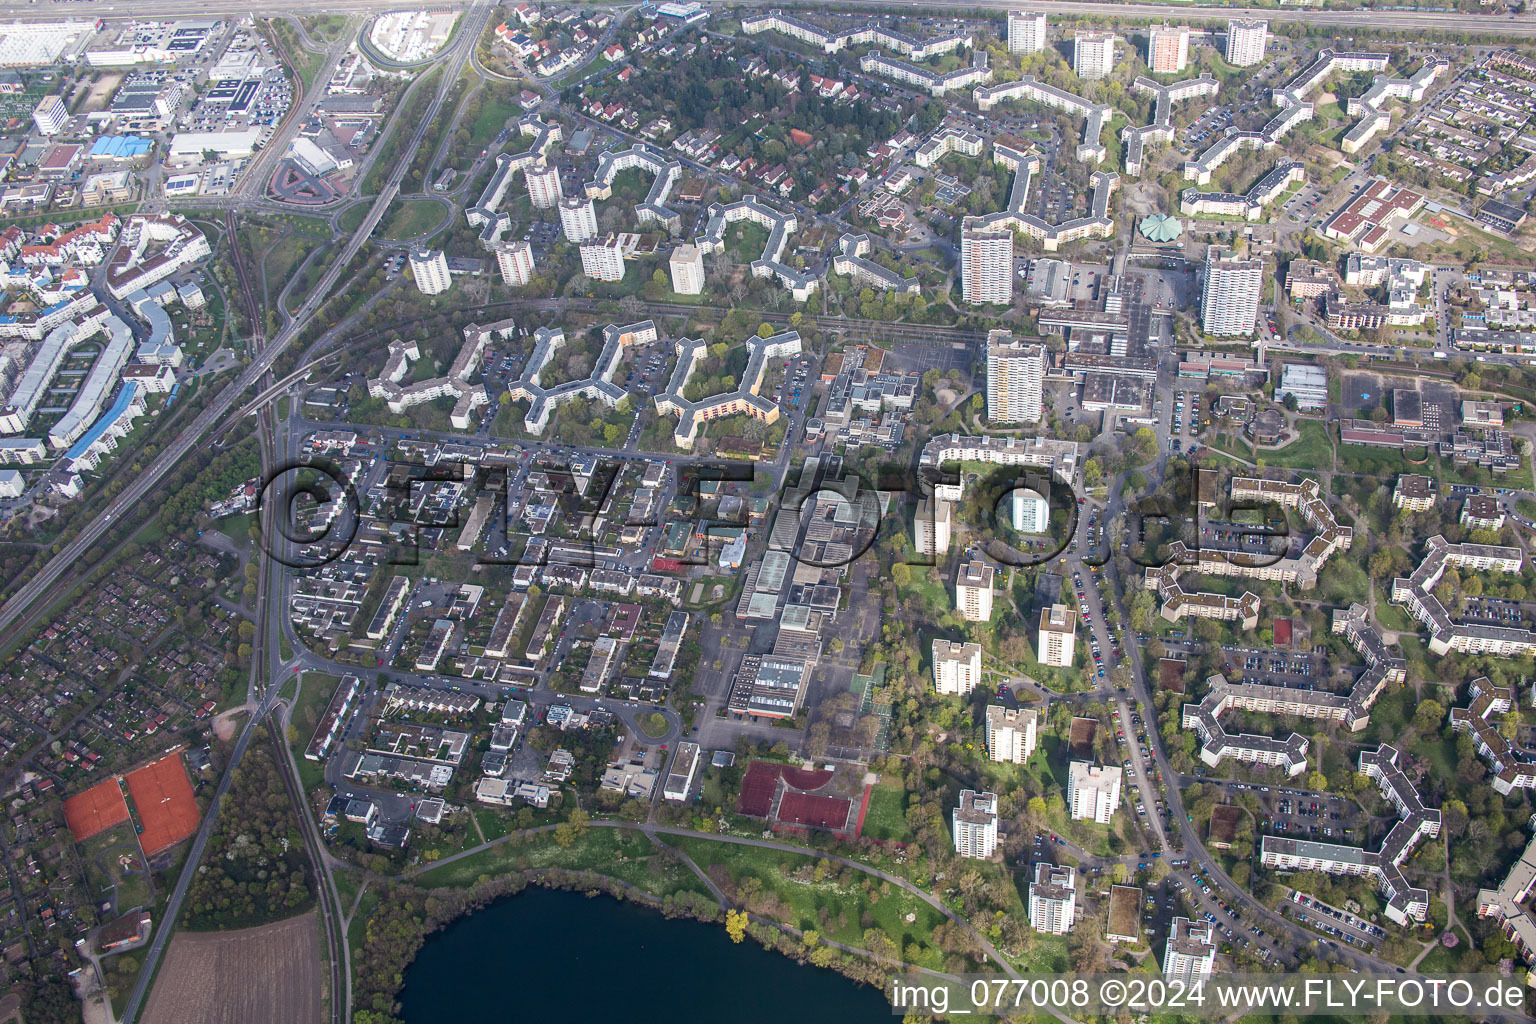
(318, 688)
(352, 217)
(1359, 458)
(1312, 450)
(803, 902)
(1395, 617)
(236, 527)
(745, 241)
(1343, 582)
(595, 849)
(284, 257)
(347, 881)
(493, 115)
(887, 814)
(407, 218)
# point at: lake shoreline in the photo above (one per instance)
(443, 908)
(769, 939)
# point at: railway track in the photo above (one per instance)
(325, 895)
(270, 602)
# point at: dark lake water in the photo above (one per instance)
(548, 955)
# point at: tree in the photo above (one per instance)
(1429, 714)
(736, 924)
(1317, 781)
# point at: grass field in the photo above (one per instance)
(1358, 458)
(493, 115)
(745, 241)
(887, 815)
(1312, 450)
(352, 217)
(1343, 582)
(236, 527)
(114, 868)
(828, 907)
(318, 688)
(596, 849)
(284, 258)
(1395, 617)
(407, 218)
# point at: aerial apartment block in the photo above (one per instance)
(974, 824)
(1093, 791)
(956, 667)
(973, 591)
(1053, 899)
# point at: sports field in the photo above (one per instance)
(95, 810)
(163, 798)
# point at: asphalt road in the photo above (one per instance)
(1448, 21)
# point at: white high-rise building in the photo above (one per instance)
(516, 262)
(986, 264)
(1053, 899)
(1015, 380)
(1026, 31)
(603, 259)
(1011, 733)
(1031, 512)
(687, 270)
(1246, 39)
(1229, 304)
(1093, 54)
(51, 115)
(430, 268)
(974, 823)
(931, 526)
(543, 184)
(578, 219)
(1168, 49)
(1093, 791)
(1057, 646)
(973, 591)
(1190, 955)
(956, 667)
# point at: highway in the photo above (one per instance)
(1505, 26)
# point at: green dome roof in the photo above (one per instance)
(1160, 227)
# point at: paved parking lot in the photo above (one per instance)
(1330, 920)
(1313, 816)
(1281, 668)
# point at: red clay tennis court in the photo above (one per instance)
(831, 812)
(163, 797)
(762, 779)
(95, 810)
